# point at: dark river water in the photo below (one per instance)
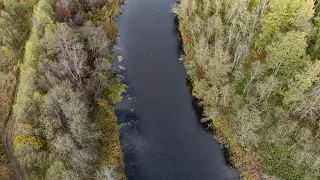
(161, 136)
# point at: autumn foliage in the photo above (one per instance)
(255, 66)
(63, 131)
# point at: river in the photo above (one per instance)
(161, 136)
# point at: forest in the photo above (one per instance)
(254, 64)
(56, 56)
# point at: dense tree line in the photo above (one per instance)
(66, 127)
(259, 61)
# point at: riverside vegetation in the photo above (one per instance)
(255, 66)
(65, 127)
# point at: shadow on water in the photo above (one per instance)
(128, 121)
(198, 109)
(129, 140)
(196, 103)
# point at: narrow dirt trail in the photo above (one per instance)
(8, 137)
(8, 142)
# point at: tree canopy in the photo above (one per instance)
(255, 66)
(66, 94)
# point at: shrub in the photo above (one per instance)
(65, 73)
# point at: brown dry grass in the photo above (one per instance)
(7, 89)
(6, 173)
(8, 85)
(243, 157)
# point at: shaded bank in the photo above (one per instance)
(161, 135)
(254, 66)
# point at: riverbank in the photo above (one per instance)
(111, 153)
(257, 87)
(243, 158)
(84, 97)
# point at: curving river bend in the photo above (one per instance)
(161, 136)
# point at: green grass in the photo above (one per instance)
(1, 75)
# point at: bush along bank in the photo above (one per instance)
(65, 122)
(255, 66)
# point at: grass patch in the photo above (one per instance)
(111, 151)
(242, 157)
(1, 75)
(107, 17)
